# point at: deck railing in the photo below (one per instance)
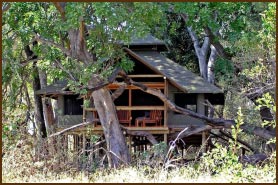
(131, 109)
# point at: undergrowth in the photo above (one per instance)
(219, 165)
(48, 161)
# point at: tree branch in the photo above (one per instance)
(205, 46)
(119, 91)
(51, 43)
(65, 70)
(73, 127)
(239, 140)
(6, 7)
(194, 39)
(60, 6)
(212, 122)
(191, 130)
(218, 46)
(257, 92)
(146, 134)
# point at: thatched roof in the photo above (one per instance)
(179, 76)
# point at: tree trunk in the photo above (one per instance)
(39, 119)
(201, 52)
(211, 62)
(46, 103)
(118, 152)
(203, 65)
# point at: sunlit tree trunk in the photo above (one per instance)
(118, 152)
(211, 62)
(46, 104)
(201, 52)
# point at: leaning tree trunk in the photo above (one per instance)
(118, 152)
(46, 104)
(39, 119)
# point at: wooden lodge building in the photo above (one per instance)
(153, 69)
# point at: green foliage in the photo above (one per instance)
(220, 159)
(225, 159)
(236, 130)
(224, 72)
(86, 103)
(126, 64)
(179, 43)
(268, 33)
(268, 101)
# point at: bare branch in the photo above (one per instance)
(6, 7)
(146, 134)
(119, 91)
(60, 6)
(51, 43)
(26, 62)
(218, 46)
(259, 91)
(194, 38)
(73, 127)
(211, 106)
(65, 70)
(239, 140)
(191, 130)
(212, 122)
(205, 45)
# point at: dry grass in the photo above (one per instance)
(129, 174)
(19, 165)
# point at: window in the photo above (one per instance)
(188, 101)
(140, 98)
(72, 105)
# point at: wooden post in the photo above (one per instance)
(84, 142)
(84, 115)
(129, 144)
(129, 101)
(165, 138)
(165, 105)
(204, 137)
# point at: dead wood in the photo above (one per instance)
(73, 127)
(253, 159)
(146, 134)
(238, 140)
(190, 130)
(118, 92)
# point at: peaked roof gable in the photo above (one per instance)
(180, 77)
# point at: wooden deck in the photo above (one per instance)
(98, 129)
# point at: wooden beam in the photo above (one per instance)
(156, 85)
(165, 104)
(142, 76)
(153, 107)
(204, 138)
